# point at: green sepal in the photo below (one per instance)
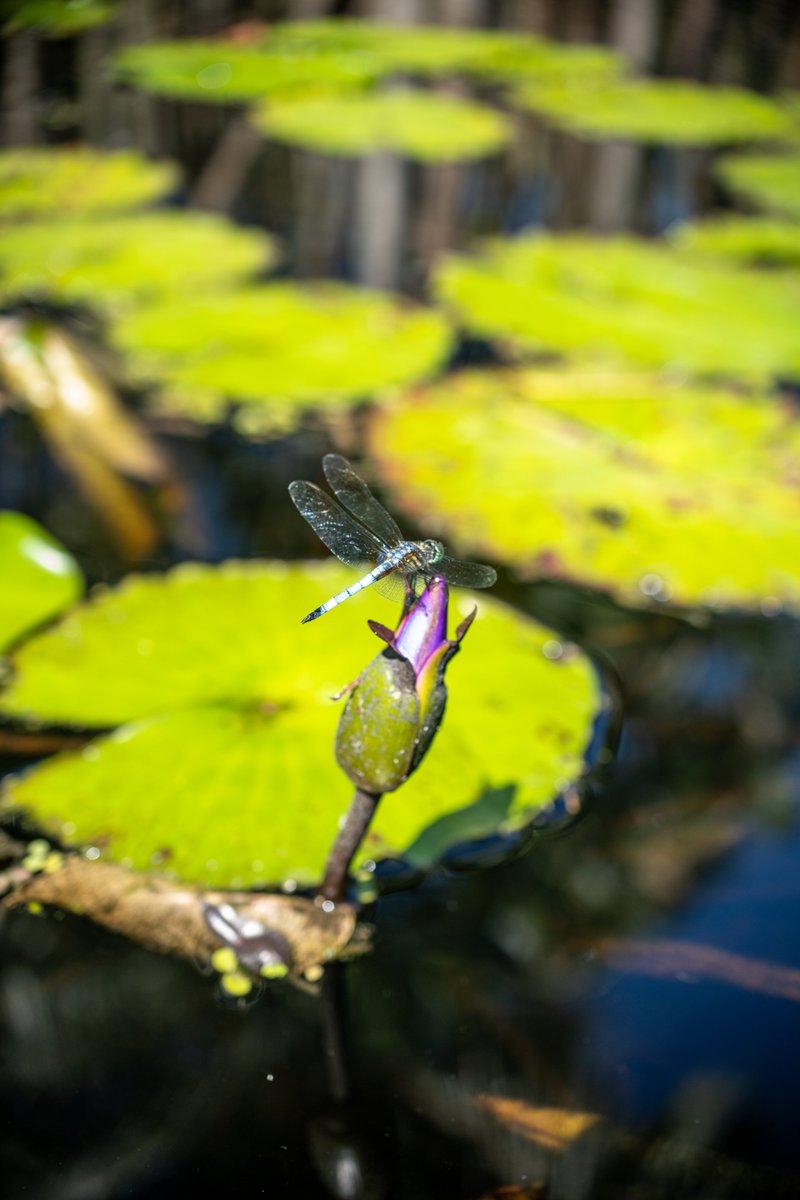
(377, 733)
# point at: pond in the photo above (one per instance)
(535, 275)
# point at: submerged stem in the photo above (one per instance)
(349, 838)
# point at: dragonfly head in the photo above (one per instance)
(434, 551)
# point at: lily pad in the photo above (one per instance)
(281, 348)
(59, 18)
(78, 182)
(40, 579)
(660, 111)
(124, 261)
(624, 299)
(218, 72)
(224, 771)
(648, 490)
(422, 125)
(770, 181)
(436, 50)
(755, 241)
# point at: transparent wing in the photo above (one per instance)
(346, 539)
(393, 586)
(465, 574)
(356, 496)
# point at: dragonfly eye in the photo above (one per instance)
(434, 551)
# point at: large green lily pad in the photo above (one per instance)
(624, 299)
(78, 182)
(224, 771)
(339, 56)
(124, 261)
(648, 490)
(418, 124)
(648, 110)
(39, 578)
(436, 50)
(220, 72)
(281, 348)
(770, 181)
(58, 18)
(756, 241)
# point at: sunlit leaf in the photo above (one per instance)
(58, 18)
(662, 110)
(624, 299)
(281, 348)
(554, 1128)
(757, 241)
(78, 182)
(418, 124)
(649, 490)
(48, 374)
(39, 578)
(770, 181)
(335, 56)
(219, 72)
(434, 50)
(122, 261)
(225, 771)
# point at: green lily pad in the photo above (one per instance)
(770, 181)
(647, 490)
(624, 299)
(755, 241)
(120, 262)
(280, 348)
(224, 771)
(336, 56)
(59, 18)
(436, 50)
(422, 125)
(40, 579)
(78, 182)
(661, 111)
(219, 72)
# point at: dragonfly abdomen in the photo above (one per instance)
(407, 555)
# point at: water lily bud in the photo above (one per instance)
(397, 703)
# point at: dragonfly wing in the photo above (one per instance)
(354, 494)
(351, 543)
(392, 586)
(465, 574)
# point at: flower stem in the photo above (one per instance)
(349, 838)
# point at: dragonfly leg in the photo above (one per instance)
(411, 594)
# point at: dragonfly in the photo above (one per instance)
(360, 532)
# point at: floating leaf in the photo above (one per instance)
(219, 72)
(770, 181)
(78, 182)
(59, 18)
(553, 1128)
(225, 772)
(419, 124)
(124, 261)
(662, 110)
(40, 579)
(302, 57)
(623, 298)
(436, 50)
(645, 489)
(757, 241)
(280, 348)
(48, 373)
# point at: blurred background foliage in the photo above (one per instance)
(534, 266)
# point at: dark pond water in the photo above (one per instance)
(642, 965)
